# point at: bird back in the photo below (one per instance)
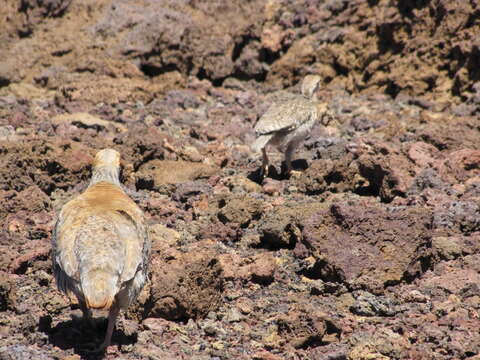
(100, 242)
(286, 116)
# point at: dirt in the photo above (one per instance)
(371, 252)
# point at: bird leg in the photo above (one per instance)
(112, 318)
(264, 169)
(288, 157)
(87, 314)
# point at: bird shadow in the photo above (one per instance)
(299, 164)
(75, 334)
(273, 173)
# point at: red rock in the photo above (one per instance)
(422, 154)
(265, 355)
(363, 243)
(263, 269)
(271, 186)
(29, 257)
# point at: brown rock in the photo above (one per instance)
(386, 169)
(245, 305)
(188, 286)
(281, 228)
(422, 154)
(447, 133)
(382, 344)
(240, 210)
(230, 264)
(259, 268)
(272, 187)
(160, 172)
(241, 184)
(450, 278)
(263, 269)
(446, 247)
(47, 165)
(302, 327)
(464, 163)
(332, 175)
(87, 121)
(265, 355)
(7, 292)
(21, 263)
(367, 245)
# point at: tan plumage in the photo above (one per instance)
(286, 124)
(100, 244)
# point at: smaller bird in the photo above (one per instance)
(100, 245)
(286, 124)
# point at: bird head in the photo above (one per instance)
(310, 85)
(106, 166)
(107, 157)
(326, 114)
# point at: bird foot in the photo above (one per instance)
(92, 348)
(86, 322)
(263, 172)
(295, 174)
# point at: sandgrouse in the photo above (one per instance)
(100, 245)
(286, 124)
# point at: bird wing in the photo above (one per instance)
(104, 211)
(285, 117)
(261, 142)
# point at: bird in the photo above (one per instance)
(284, 125)
(101, 246)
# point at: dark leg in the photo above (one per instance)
(87, 314)
(288, 156)
(264, 170)
(112, 318)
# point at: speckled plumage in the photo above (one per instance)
(286, 124)
(100, 244)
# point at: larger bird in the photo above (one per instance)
(286, 124)
(100, 245)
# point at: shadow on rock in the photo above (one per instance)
(75, 334)
(256, 176)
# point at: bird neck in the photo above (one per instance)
(312, 96)
(109, 174)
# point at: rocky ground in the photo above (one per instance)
(372, 253)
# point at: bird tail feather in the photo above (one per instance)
(99, 288)
(261, 142)
(101, 261)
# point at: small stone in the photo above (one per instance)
(245, 305)
(233, 315)
(265, 355)
(367, 304)
(87, 120)
(162, 237)
(447, 248)
(250, 240)
(239, 184)
(158, 325)
(416, 296)
(218, 345)
(271, 186)
(191, 154)
(263, 269)
(73, 357)
(210, 329)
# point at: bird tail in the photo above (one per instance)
(99, 288)
(260, 143)
(100, 253)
